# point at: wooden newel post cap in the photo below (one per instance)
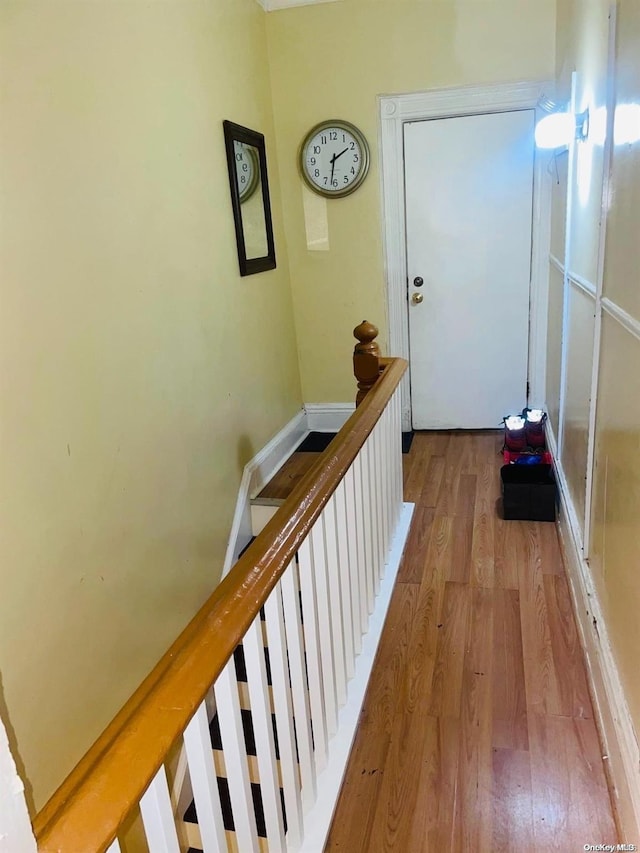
(366, 333)
(366, 367)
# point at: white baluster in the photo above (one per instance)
(374, 459)
(373, 514)
(391, 463)
(344, 574)
(394, 448)
(367, 540)
(358, 493)
(312, 645)
(235, 758)
(284, 715)
(157, 816)
(328, 520)
(197, 741)
(396, 460)
(253, 646)
(325, 634)
(377, 504)
(298, 674)
(398, 454)
(387, 489)
(367, 526)
(354, 559)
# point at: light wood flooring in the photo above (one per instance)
(477, 732)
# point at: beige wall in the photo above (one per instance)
(557, 165)
(332, 60)
(582, 41)
(554, 346)
(615, 554)
(616, 535)
(587, 50)
(614, 549)
(578, 394)
(139, 371)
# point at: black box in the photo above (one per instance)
(528, 492)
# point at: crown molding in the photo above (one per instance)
(275, 5)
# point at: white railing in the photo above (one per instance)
(305, 603)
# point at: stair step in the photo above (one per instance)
(262, 513)
(265, 505)
(291, 472)
(249, 736)
(193, 839)
(190, 816)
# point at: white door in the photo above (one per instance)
(469, 188)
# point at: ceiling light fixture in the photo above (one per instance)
(558, 129)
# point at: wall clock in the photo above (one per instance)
(247, 169)
(334, 158)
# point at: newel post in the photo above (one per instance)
(366, 358)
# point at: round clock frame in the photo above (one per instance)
(319, 158)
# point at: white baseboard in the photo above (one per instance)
(318, 822)
(617, 733)
(257, 473)
(328, 417)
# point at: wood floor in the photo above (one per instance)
(477, 732)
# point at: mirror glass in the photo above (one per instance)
(251, 199)
(246, 159)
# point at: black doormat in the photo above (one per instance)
(316, 442)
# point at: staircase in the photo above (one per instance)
(263, 508)
(190, 828)
(262, 690)
(266, 503)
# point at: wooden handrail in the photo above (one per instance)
(91, 805)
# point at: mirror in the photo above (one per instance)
(247, 164)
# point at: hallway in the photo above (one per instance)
(477, 732)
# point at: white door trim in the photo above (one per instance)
(394, 111)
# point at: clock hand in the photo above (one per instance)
(335, 156)
(333, 166)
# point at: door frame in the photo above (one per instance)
(393, 112)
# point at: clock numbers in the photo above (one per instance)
(247, 169)
(334, 158)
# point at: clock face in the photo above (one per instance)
(247, 169)
(334, 158)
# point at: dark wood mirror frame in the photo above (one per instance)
(237, 133)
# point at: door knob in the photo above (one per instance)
(417, 298)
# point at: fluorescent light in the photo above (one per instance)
(558, 129)
(555, 130)
(626, 124)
